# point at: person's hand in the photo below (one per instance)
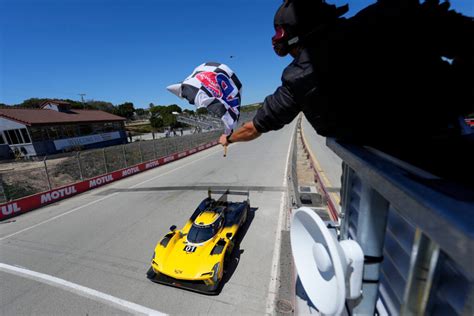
(223, 140)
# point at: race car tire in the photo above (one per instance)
(226, 261)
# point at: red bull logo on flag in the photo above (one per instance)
(209, 80)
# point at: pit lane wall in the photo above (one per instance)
(35, 201)
(331, 199)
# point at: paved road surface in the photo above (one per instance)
(103, 240)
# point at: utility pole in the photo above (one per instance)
(82, 99)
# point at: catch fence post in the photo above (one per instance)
(105, 160)
(124, 156)
(167, 147)
(140, 151)
(46, 170)
(79, 165)
(3, 192)
(154, 148)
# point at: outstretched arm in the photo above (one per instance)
(278, 109)
(242, 134)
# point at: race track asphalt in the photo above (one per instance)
(103, 240)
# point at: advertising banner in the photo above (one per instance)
(85, 140)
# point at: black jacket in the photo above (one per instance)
(378, 77)
(281, 107)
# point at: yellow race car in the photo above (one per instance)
(195, 256)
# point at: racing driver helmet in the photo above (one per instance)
(296, 20)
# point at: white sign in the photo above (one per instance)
(152, 164)
(130, 171)
(85, 140)
(101, 180)
(56, 194)
(10, 209)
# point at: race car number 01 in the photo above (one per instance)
(189, 248)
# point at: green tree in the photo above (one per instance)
(77, 105)
(162, 115)
(202, 111)
(32, 103)
(100, 105)
(169, 120)
(124, 110)
(174, 108)
(165, 109)
(35, 103)
(250, 107)
(141, 111)
(156, 122)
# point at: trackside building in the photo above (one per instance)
(56, 128)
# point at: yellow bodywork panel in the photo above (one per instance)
(180, 258)
(207, 218)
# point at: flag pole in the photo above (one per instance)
(225, 150)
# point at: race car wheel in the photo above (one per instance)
(226, 262)
(228, 256)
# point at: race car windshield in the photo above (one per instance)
(198, 234)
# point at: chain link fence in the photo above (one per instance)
(20, 179)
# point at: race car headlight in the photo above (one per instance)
(215, 270)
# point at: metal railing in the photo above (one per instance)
(26, 178)
(417, 236)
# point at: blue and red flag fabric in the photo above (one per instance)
(213, 86)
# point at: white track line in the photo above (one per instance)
(80, 290)
(273, 286)
(102, 199)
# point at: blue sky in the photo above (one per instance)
(130, 50)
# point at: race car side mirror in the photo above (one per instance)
(173, 228)
(228, 235)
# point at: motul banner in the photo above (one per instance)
(38, 200)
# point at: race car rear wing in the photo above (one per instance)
(225, 193)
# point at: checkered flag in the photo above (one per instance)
(213, 86)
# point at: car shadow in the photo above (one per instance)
(234, 259)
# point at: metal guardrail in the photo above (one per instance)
(416, 232)
(28, 178)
